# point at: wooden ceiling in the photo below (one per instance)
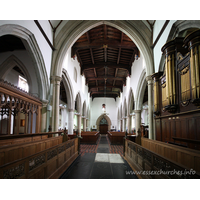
(105, 55)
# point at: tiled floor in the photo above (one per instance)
(99, 162)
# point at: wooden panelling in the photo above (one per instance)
(186, 157)
(18, 151)
(116, 137)
(50, 163)
(89, 137)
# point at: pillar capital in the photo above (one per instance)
(149, 79)
(44, 103)
(70, 110)
(55, 78)
(137, 111)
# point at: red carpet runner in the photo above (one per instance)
(92, 148)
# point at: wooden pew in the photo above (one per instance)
(184, 156)
(14, 152)
(89, 137)
(116, 137)
(17, 139)
(50, 163)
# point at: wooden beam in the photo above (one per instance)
(79, 58)
(105, 31)
(92, 57)
(100, 44)
(116, 72)
(44, 34)
(88, 37)
(106, 70)
(103, 64)
(161, 32)
(107, 86)
(119, 53)
(107, 93)
(105, 54)
(95, 73)
(107, 77)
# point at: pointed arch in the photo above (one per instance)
(142, 83)
(78, 103)
(9, 64)
(131, 104)
(124, 112)
(100, 118)
(68, 88)
(74, 29)
(32, 47)
(84, 113)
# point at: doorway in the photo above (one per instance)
(103, 126)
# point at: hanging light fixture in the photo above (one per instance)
(104, 104)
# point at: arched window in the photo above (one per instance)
(103, 121)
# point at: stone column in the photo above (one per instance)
(150, 106)
(79, 124)
(133, 121)
(70, 121)
(84, 123)
(122, 124)
(55, 80)
(137, 121)
(128, 124)
(44, 116)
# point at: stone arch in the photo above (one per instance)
(74, 29)
(79, 104)
(8, 65)
(142, 83)
(124, 112)
(68, 88)
(100, 118)
(32, 47)
(84, 113)
(130, 101)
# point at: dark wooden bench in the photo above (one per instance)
(89, 137)
(10, 153)
(116, 137)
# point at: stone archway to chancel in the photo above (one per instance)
(100, 119)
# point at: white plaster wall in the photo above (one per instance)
(41, 41)
(96, 110)
(13, 77)
(163, 39)
(131, 82)
(78, 87)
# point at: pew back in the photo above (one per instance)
(116, 137)
(50, 163)
(16, 151)
(89, 137)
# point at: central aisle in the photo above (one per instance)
(99, 165)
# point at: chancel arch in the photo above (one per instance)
(105, 124)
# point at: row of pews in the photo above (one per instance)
(41, 155)
(118, 137)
